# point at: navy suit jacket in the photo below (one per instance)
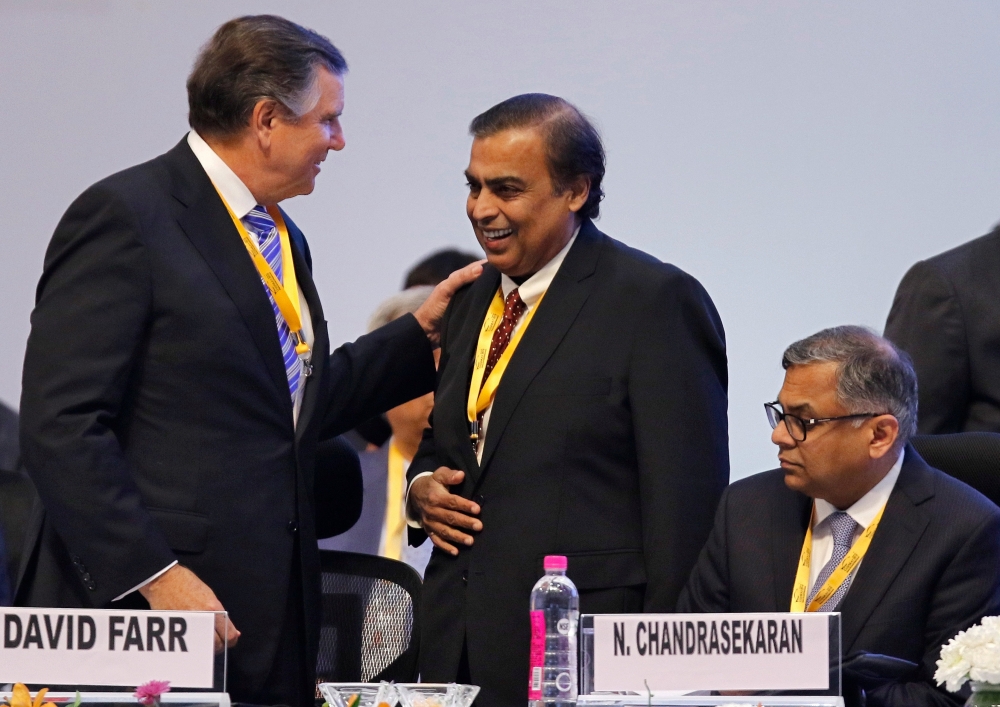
(156, 421)
(932, 569)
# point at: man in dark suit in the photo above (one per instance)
(843, 416)
(602, 437)
(178, 377)
(946, 317)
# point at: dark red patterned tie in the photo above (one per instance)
(513, 308)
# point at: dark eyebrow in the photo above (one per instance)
(470, 179)
(803, 409)
(496, 182)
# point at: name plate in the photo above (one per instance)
(688, 652)
(106, 647)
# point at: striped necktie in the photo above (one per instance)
(260, 223)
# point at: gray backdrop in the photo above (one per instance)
(796, 157)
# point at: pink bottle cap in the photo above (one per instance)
(555, 562)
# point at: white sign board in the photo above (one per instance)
(711, 652)
(106, 647)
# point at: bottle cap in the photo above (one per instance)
(555, 562)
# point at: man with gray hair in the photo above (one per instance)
(179, 375)
(855, 521)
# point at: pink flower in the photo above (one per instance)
(149, 693)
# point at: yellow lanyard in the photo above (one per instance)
(290, 307)
(395, 521)
(481, 395)
(839, 575)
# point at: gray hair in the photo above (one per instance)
(253, 58)
(872, 374)
(405, 302)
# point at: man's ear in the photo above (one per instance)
(579, 192)
(262, 120)
(885, 432)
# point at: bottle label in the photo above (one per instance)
(536, 659)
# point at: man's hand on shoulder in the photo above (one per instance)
(179, 589)
(432, 310)
(443, 515)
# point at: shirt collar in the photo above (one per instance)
(231, 187)
(532, 289)
(867, 507)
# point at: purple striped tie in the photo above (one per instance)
(260, 223)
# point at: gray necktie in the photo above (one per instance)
(842, 526)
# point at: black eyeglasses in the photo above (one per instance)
(797, 426)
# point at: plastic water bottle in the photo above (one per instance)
(555, 613)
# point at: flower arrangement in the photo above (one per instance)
(149, 693)
(973, 654)
(20, 696)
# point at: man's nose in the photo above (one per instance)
(337, 141)
(484, 208)
(780, 436)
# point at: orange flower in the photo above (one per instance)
(21, 697)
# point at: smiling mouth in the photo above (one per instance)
(498, 235)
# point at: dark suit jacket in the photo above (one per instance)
(366, 534)
(5, 584)
(932, 569)
(607, 443)
(946, 315)
(156, 420)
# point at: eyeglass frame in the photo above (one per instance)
(808, 423)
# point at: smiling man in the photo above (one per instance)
(580, 409)
(921, 550)
(178, 375)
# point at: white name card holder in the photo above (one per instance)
(682, 659)
(101, 652)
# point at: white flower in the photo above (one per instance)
(974, 653)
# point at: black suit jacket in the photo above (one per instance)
(946, 315)
(156, 420)
(932, 569)
(607, 443)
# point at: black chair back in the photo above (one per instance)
(369, 630)
(972, 457)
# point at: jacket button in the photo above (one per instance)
(465, 577)
(480, 499)
(292, 526)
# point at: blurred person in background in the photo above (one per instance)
(381, 529)
(435, 268)
(946, 316)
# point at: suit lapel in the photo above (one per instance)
(556, 313)
(462, 350)
(208, 226)
(902, 525)
(788, 532)
(321, 341)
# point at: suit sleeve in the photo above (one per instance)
(677, 393)
(92, 307)
(707, 589)
(926, 321)
(968, 590)
(383, 369)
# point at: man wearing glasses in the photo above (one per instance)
(907, 554)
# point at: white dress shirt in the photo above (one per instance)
(531, 291)
(863, 512)
(241, 201)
